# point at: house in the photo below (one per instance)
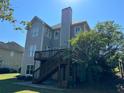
(11, 55)
(42, 37)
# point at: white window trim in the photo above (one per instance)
(11, 53)
(32, 50)
(29, 74)
(35, 32)
(48, 33)
(77, 29)
(56, 37)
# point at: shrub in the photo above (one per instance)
(25, 78)
(7, 70)
(19, 70)
(13, 71)
(4, 70)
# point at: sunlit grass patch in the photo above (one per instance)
(8, 85)
(27, 91)
(8, 76)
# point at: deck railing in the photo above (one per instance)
(52, 57)
(39, 55)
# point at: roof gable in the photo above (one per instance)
(12, 46)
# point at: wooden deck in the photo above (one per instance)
(51, 61)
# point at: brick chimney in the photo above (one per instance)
(66, 23)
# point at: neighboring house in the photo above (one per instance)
(42, 37)
(11, 55)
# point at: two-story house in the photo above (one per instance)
(11, 55)
(41, 37)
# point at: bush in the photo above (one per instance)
(19, 70)
(7, 70)
(4, 70)
(25, 78)
(13, 71)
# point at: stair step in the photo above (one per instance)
(49, 67)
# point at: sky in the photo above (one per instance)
(92, 11)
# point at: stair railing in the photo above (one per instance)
(51, 63)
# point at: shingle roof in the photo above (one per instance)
(12, 46)
(59, 25)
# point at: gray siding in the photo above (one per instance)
(32, 40)
(47, 39)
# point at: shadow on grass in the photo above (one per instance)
(107, 86)
(7, 85)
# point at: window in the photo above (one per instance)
(11, 53)
(32, 50)
(35, 32)
(48, 33)
(56, 35)
(77, 30)
(29, 69)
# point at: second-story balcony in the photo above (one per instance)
(43, 55)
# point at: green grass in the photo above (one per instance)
(7, 85)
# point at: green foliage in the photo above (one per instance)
(100, 49)
(86, 46)
(6, 14)
(6, 11)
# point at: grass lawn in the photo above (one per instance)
(7, 86)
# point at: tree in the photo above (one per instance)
(6, 14)
(6, 11)
(98, 50)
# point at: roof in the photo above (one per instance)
(12, 46)
(57, 26)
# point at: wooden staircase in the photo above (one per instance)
(50, 63)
